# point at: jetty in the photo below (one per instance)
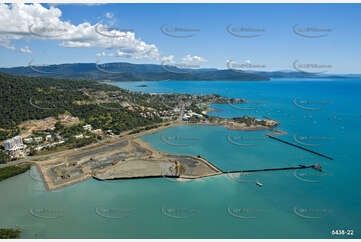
(299, 147)
(266, 117)
(316, 167)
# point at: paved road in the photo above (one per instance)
(43, 157)
(12, 163)
(180, 118)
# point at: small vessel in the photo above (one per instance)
(259, 184)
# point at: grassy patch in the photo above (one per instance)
(9, 233)
(11, 171)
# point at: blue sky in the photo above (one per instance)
(276, 48)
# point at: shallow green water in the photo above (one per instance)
(304, 204)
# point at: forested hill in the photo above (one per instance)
(132, 72)
(28, 98)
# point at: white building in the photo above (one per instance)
(38, 139)
(49, 138)
(124, 104)
(13, 143)
(87, 127)
(98, 132)
(79, 136)
(28, 140)
(186, 117)
(14, 146)
(195, 114)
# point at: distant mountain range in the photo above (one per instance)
(123, 71)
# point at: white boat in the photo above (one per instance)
(259, 184)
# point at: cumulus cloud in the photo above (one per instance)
(168, 58)
(18, 21)
(190, 59)
(26, 50)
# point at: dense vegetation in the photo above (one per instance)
(6, 134)
(4, 157)
(10, 171)
(29, 98)
(9, 233)
(136, 131)
(250, 121)
(132, 72)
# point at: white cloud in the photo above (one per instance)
(189, 59)
(103, 54)
(109, 15)
(18, 21)
(26, 50)
(5, 43)
(168, 58)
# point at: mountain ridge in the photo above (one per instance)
(124, 71)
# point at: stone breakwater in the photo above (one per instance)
(129, 157)
(125, 159)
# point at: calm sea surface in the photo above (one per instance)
(321, 115)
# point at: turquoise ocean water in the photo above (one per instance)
(302, 204)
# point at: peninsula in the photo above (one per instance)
(94, 130)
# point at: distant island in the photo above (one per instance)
(122, 71)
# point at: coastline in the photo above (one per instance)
(243, 128)
(147, 158)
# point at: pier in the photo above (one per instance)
(267, 118)
(316, 167)
(299, 147)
